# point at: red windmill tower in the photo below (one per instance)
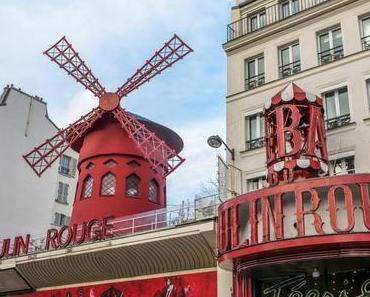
(124, 159)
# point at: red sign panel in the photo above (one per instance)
(191, 285)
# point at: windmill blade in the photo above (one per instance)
(162, 158)
(172, 51)
(45, 154)
(68, 59)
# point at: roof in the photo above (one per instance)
(7, 89)
(166, 134)
(244, 3)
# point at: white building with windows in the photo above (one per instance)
(31, 204)
(321, 45)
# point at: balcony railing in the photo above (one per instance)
(202, 208)
(289, 69)
(365, 42)
(338, 121)
(331, 55)
(254, 143)
(274, 14)
(254, 81)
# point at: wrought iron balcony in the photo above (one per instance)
(289, 69)
(254, 143)
(331, 55)
(254, 81)
(338, 121)
(365, 42)
(274, 13)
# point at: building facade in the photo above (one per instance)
(320, 45)
(42, 202)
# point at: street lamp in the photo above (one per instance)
(216, 141)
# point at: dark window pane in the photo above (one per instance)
(343, 101)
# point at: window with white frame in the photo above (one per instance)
(254, 129)
(62, 192)
(67, 166)
(60, 219)
(342, 166)
(254, 72)
(365, 32)
(289, 59)
(257, 21)
(330, 45)
(256, 183)
(288, 8)
(337, 108)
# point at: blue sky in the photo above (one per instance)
(115, 38)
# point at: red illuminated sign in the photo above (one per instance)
(329, 203)
(55, 239)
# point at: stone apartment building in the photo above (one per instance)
(321, 45)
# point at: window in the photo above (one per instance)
(60, 219)
(90, 166)
(153, 191)
(67, 166)
(108, 185)
(254, 72)
(368, 90)
(110, 163)
(337, 108)
(342, 166)
(288, 8)
(257, 21)
(132, 185)
(257, 183)
(330, 45)
(365, 30)
(87, 187)
(133, 164)
(290, 60)
(254, 128)
(62, 192)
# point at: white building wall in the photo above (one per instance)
(27, 201)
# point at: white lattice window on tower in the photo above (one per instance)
(88, 187)
(153, 191)
(132, 185)
(108, 185)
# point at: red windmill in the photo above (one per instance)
(109, 136)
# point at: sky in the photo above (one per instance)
(115, 38)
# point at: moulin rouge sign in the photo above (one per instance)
(301, 200)
(57, 239)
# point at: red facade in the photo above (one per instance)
(190, 285)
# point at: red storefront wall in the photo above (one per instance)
(189, 285)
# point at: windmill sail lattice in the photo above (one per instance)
(45, 154)
(156, 151)
(68, 59)
(162, 158)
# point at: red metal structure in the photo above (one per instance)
(307, 233)
(295, 136)
(113, 143)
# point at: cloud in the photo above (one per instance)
(200, 166)
(115, 38)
